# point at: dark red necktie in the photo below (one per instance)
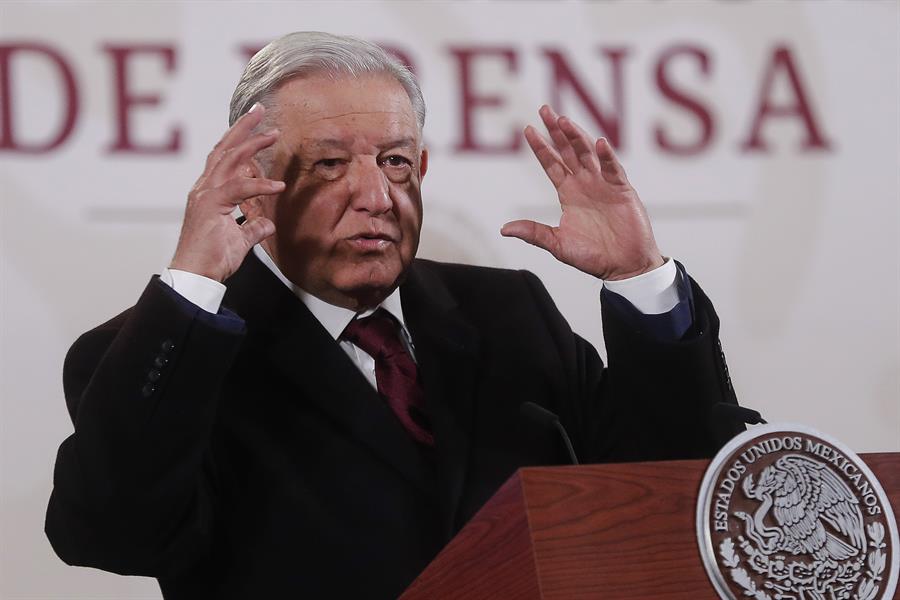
(395, 371)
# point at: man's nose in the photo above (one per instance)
(370, 188)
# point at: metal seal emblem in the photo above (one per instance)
(786, 512)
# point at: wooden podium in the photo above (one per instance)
(598, 531)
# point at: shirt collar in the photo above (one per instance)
(333, 318)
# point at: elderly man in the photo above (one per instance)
(300, 407)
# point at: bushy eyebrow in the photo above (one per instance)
(406, 142)
(325, 144)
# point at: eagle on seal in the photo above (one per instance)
(804, 495)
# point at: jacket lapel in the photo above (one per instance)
(296, 344)
(446, 347)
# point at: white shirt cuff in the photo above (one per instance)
(654, 292)
(204, 292)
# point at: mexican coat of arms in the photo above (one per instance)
(786, 513)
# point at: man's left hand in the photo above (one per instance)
(604, 230)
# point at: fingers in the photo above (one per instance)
(536, 234)
(547, 156)
(236, 134)
(235, 191)
(560, 140)
(582, 144)
(612, 169)
(229, 178)
(233, 158)
(256, 230)
(575, 146)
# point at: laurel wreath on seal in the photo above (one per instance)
(738, 574)
(867, 590)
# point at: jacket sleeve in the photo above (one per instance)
(655, 399)
(134, 486)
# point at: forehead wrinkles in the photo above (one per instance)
(393, 116)
(337, 99)
(363, 112)
(316, 93)
(354, 131)
(348, 113)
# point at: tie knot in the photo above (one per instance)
(376, 334)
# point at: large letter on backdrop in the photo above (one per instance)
(125, 100)
(689, 103)
(8, 139)
(470, 100)
(783, 60)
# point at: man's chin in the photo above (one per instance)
(371, 286)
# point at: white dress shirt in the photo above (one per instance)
(654, 292)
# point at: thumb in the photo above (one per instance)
(536, 234)
(256, 230)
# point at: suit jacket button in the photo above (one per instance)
(167, 346)
(160, 361)
(148, 390)
(154, 376)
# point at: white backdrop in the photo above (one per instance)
(796, 241)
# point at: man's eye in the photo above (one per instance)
(395, 160)
(330, 168)
(329, 163)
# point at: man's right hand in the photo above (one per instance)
(211, 243)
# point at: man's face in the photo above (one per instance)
(347, 224)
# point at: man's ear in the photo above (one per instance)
(423, 163)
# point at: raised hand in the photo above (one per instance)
(211, 243)
(604, 230)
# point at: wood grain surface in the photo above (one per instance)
(492, 557)
(597, 531)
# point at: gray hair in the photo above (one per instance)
(306, 52)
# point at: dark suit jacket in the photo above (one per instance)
(249, 458)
